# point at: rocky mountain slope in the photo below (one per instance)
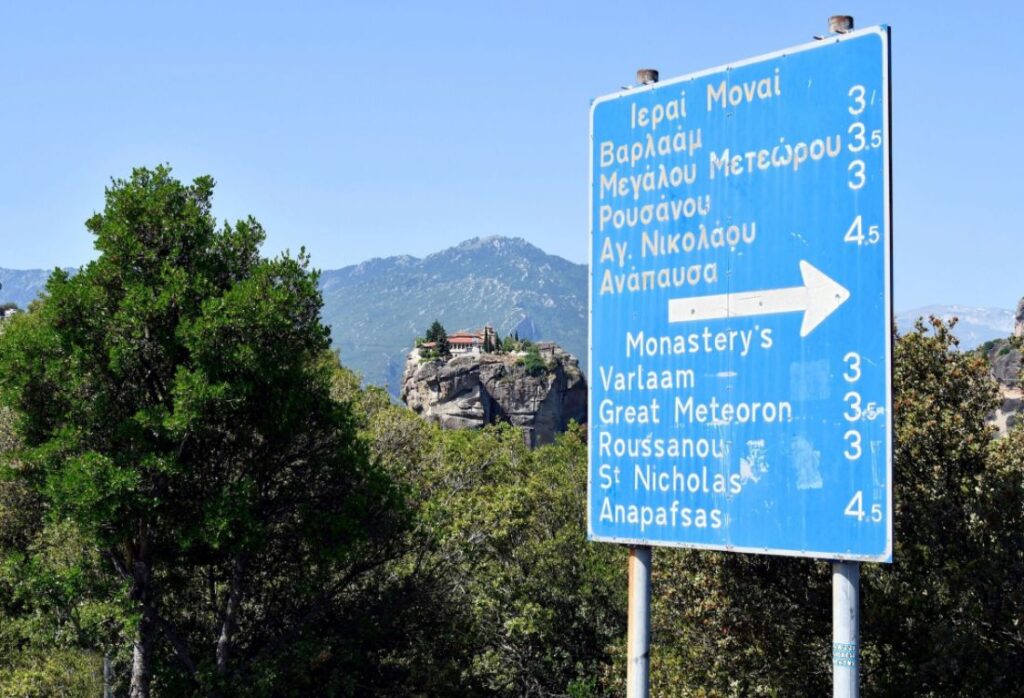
(1004, 356)
(376, 309)
(473, 390)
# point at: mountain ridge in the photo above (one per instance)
(507, 282)
(975, 324)
(22, 286)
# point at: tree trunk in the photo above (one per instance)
(230, 618)
(142, 654)
(142, 645)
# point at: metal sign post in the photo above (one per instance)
(639, 635)
(638, 641)
(845, 629)
(741, 314)
(845, 575)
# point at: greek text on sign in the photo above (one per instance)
(741, 306)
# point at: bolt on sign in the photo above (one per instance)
(740, 296)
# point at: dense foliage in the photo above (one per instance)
(532, 361)
(194, 487)
(177, 432)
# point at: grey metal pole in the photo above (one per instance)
(845, 629)
(639, 633)
(639, 637)
(845, 575)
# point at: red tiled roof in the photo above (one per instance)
(462, 337)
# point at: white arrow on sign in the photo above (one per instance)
(818, 298)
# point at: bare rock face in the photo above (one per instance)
(1007, 363)
(473, 390)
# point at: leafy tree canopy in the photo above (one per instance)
(173, 406)
(437, 334)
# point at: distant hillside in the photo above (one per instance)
(21, 286)
(377, 308)
(975, 326)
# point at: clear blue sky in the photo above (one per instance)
(371, 129)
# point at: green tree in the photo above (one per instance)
(498, 593)
(533, 362)
(939, 620)
(173, 401)
(436, 333)
(539, 606)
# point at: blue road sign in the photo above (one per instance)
(740, 295)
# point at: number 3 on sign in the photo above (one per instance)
(856, 94)
(856, 508)
(853, 358)
(853, 448)
(857, 176)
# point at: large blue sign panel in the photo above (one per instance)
(741, 307)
